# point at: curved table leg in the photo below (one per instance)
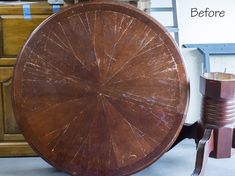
(205, 147)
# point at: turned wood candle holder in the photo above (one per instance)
(216, 126)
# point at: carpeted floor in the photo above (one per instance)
(177, 162)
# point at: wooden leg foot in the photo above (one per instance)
(205, 147)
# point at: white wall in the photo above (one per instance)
(221, 63)
(206, 30)
(201, 30)
(165, 18)
(193, 60)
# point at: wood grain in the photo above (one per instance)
(36, 8)
(10, 125)
(16, 30)
(11, 142)
(100, 89)
(1, 117)
(7, 62)
(16, 149)
(8, 119)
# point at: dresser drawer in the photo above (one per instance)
(12, 143)
(17, 21)
(15, 31)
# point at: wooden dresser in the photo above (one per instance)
(16, 24)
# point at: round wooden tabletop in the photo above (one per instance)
(100, 89)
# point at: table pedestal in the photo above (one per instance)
(214, 133)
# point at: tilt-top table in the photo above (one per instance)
(100, 89)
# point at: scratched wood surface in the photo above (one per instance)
(100, 89)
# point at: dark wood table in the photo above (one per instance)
(100, 89)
